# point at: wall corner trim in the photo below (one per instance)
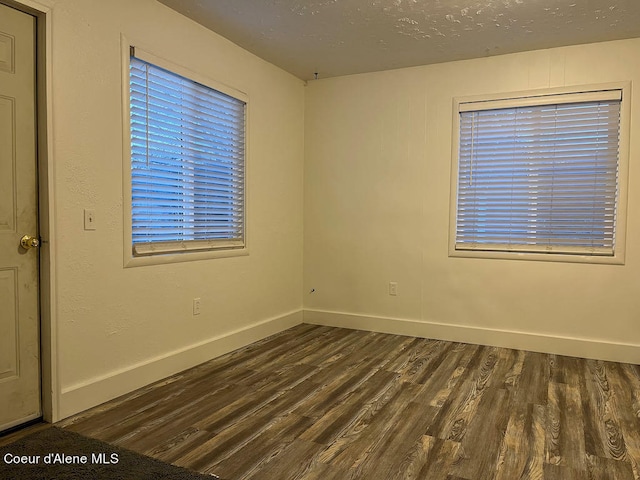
(535, 342)
(84, 395)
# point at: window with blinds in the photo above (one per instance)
(187, 163)
(539, 174)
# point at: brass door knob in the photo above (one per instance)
(28, 242)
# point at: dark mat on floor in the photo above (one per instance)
(57, 454)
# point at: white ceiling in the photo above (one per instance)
(341, 37)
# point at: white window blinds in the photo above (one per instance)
(541, 176)
(187, 163)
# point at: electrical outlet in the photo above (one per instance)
(196, 306)
(393, 288)
(89, 219)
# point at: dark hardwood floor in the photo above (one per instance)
(328, 403)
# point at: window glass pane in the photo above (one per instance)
(187, 163)
(540, 178)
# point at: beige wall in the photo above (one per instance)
(377, 186)
(120, 328)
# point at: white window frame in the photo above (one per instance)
(532, 97)
(174, 256)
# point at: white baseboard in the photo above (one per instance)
(535, 342)
(82, 396)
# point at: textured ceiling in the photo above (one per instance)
(341, 37)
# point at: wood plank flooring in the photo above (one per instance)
(328, 403)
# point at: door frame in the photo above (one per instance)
(49, 381)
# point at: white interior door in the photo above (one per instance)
(19, 316)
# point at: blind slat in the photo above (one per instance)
(539, 177)
(187, 163)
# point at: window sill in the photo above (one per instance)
(140, 261)
(617, 259)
